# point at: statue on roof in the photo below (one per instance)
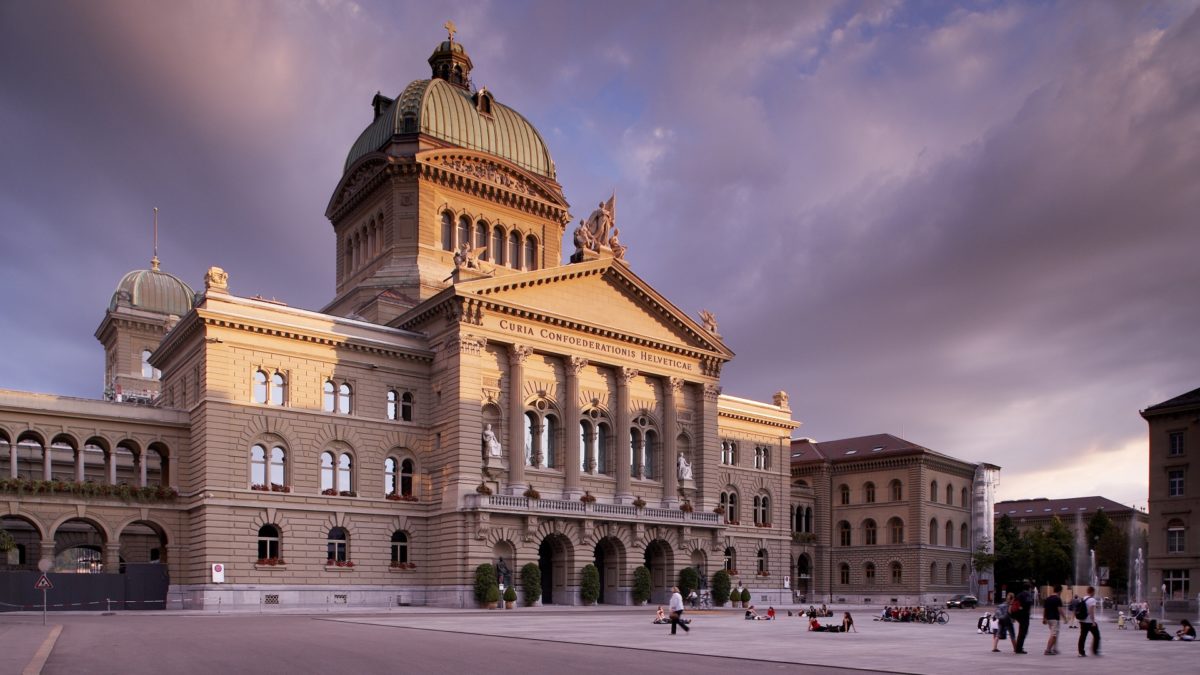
(709, 320)
(599, 224)
(465, 257)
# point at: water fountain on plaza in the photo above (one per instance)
(1094, 580)
(1139, 564)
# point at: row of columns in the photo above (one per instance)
(110, 465)
(518, 354)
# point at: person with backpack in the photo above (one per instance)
(1021, 615)
(1003, 620)
(1086, 613)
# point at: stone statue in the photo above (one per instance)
(583, 239)
(600, 222)
(685, 467)
(465, 257)
(613, 243)
(710, 321)
(503, 574)
(490, 443)
(216, 279)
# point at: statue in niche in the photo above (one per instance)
(685, 467)
(491, 444)
(503, 574)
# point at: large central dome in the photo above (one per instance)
(445, 109)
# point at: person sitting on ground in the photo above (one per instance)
(660, 616)
(825, 610)
(1156, 631)
(751, 615)
(1186, 631)
(848, 623)
(886, 614)
(812, 611)
(770, 613)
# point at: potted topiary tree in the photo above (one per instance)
(485, 578)
(493, 597)
(589, 585)
(745, 597)
(689, 580)
(510, 597)
(721, 584)
(531, 582)
(641, 585)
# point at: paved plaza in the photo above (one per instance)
(531, 640)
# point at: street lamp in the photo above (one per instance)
(1162, 613)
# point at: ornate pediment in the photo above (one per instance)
(486, 169)
(355, 183)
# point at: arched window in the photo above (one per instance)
(962, 574)
(762, 457)
(964, 501)
(897, 529)
(869, 493)
(268, 543)
(808, 518)
(643, 444)
(514, 250)
(869, 533)
(897, 573)
(733, 515)
(964, 538)
(337, 546)
(259, 390)
(148, 371)
(729, 453)
(531, 253)
(586, 449)
(328, 476)
(345, 475)
(407, 400)
(949, 570)
(393, 402)
(844, 574)
(447, 231)
(949, 533)
(933, 491)
(869, 572)
(933, 574)
(764, 517)
(730, 559)
(755, 510)
(762, 562)
(406, 478)
(464, 232)
(278, 389)
(897, 489)
(481, 240)
(933, 532)
(391, 476)
(276, 470)
(345, 393)
(498, 239)
(348, 250)
(844, 491)
(400, 547)
(548, 442)
(651, 454)
(328, 397)
(949, 494)
(843, 533)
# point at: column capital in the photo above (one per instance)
(711, 391)
(626, 374)
(575, 364)
(675, 384)
(518, 353)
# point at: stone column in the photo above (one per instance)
(112, 466)
(670, 453)
(47, 550)
(141, 462)
(516, 418)
(706, 445)
(112, 558)
(47, 472)
(12, 460)
(570, 426)
(624, 450)
(79, 465)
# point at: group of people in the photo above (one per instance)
(753, 615)
(846, 626)
(813, 610)
(903, 613)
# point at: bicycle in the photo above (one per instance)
(705, 600)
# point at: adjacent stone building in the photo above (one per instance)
(1174, 556)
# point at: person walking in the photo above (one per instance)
(1003, 624)
(1088, 624)
(1021, 616)
(676, 608)
(1052, 617)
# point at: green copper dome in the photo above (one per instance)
(153, 291)
(450, 113)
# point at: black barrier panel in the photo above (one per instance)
(141, 586)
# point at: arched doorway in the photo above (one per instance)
(78, 548)
(660, 560)
(25, 546)
(554, 562)
(800, 584)
(700, 562)
(142, 542)
(609, 561)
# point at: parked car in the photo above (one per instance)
(964, 601)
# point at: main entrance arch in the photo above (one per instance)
(660, 560)
(610, 561)
(554, 562)
(800, 584)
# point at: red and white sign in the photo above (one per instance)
(218, 571)
(43, 584)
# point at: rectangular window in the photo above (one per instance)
(1176, 582)
(1175, 443)
(1175, 483)
(1175, 540)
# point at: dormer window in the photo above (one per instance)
(483, 102)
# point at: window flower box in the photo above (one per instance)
(483, 489)
(531, 493)
(338, 563)
(403, 565)
(392, 496)
(588, 498)
(347, 493)
(276, 487)
(686, 507)
(270, 562)
(19, 486)
(330, 492)
(639, 503)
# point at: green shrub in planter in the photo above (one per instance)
(689, 580)
(721, 583)
(510, 594)
(531, 581)
(746, 597)
(641, 584)
(589, 585)
(493, 595)
(485, 578)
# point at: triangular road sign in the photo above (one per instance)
(43, 584)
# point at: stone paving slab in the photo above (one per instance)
(877, 646)
(20, 639)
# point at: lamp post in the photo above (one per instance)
(1162, 612)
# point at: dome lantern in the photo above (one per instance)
(450, 62)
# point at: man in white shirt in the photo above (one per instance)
(676, 608)
(1088, 625)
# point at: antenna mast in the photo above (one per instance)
(154, 260)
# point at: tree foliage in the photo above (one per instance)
(531, 582)
(589, 584)
(485, 578)
(689, 580)
(641, 583)
(1012, 554)
(721, 583)
(1050, 553)
(1112, 549)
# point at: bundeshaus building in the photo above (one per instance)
(472, 393)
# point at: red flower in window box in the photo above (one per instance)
(330, 562)
(330, 492)
(348, 493)
(392, 497)
(588, 498)
(276, 487)
(258, 486)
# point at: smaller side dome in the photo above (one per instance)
(153, 291)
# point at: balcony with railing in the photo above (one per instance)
(579, 509)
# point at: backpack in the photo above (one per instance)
(1002, 611)
(1081, 609)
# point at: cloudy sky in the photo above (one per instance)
(971, 225)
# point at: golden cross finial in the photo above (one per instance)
(451, 29)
